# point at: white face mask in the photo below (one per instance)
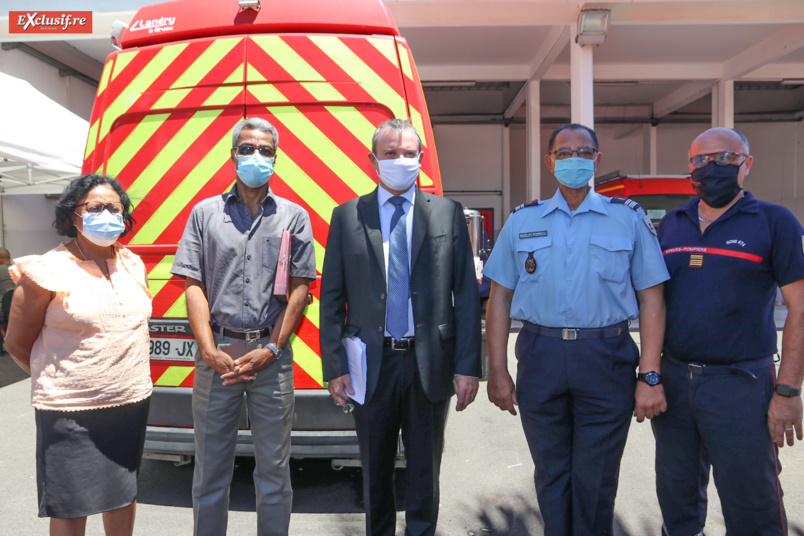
(398, 174)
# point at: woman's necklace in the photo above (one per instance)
(79, 249)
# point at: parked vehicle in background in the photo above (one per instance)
(658, 194)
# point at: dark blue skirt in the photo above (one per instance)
(87, 461)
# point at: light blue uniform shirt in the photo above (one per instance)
(588, 262)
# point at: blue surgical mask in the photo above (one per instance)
(574, 172)
(254, 170)
(102, 228)
(398, 174)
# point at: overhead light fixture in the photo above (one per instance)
(593, 25)
(249, 4)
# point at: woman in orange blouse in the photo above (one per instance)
(79, 326)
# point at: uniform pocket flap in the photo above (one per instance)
(611, 243)
(533, 244)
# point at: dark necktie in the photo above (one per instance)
(396, 321)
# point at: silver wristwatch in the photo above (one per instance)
(277, 351)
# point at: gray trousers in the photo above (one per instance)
(216, 412)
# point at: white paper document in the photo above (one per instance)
(356, 354)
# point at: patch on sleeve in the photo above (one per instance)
(533, 203)
(649, 225)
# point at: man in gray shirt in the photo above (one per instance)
(228, 255)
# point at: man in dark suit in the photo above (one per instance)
(421, 328)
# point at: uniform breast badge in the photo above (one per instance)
(696, 260)
(530, 263)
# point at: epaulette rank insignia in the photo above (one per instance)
(533, 203)
(636, 207)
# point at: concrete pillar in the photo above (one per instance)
(533, 121)
(723, 104)
(581, 82)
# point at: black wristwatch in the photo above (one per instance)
(787, 390)
(651, 378)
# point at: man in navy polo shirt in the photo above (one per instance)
(726, 252)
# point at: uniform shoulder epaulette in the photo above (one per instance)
(533, 203)
(630, 203)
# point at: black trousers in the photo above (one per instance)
(576, 399)
(399, 403)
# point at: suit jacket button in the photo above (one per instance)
(382, 295)
(379, 328)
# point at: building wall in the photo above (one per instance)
(73, 94)
(28, 224)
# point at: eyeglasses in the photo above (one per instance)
(97, 208)
(723, 158)
(266, 151)
(562, 153)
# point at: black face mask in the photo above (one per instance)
(715, 184)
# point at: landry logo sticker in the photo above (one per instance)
(31, 22)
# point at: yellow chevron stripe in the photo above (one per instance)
(178, 309)
(141, 83)
(356, 123)
(92, 139)
(356, 68)
(319, 250)
(424, 180)
(266, 93)
(121, 62)
(323, 91)
(330, 154)
(288, 59)
(171, 98)
(254, 75)
(132, 145)
(162, 269)
(307, 359)
(316, 197)
(104, 79)
(173, 376)
(178, 145)
(207, 61)
(236, 77)
(385, 46)
(418, 124)
(156, 285)
(174, 203)
(311, 312)
(404, 60)
(223, 96)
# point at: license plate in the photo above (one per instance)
(173, 349)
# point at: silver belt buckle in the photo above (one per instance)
(569, 334)
(696, 368)
(253, 335)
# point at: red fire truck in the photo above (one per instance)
(658, 194)
(325, 74)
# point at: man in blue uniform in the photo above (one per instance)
(574, 270)
(727, 252)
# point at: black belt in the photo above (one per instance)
(405, 343)
(701, 369)
(577, 334)
(247, 335)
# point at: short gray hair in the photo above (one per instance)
(400, 125)
(254, 123)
